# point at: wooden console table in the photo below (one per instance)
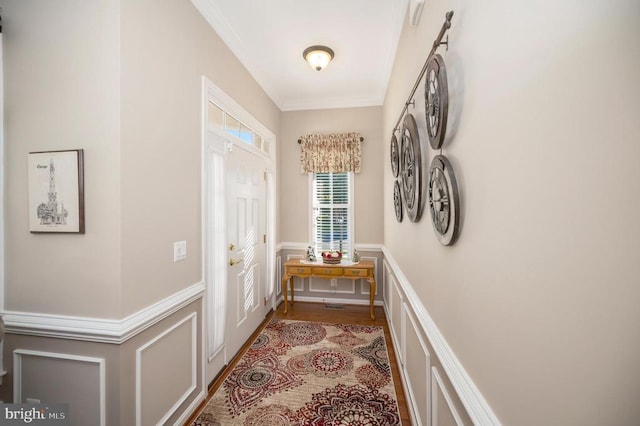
(295, 268)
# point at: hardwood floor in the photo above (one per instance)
(305, 311)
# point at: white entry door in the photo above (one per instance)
(234, 255)
(246, 223)
(237, 204)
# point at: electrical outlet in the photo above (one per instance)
(179, 250)
(334, 283)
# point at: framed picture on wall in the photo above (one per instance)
(56, 191)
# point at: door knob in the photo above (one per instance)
(232, 247)
(233, 261)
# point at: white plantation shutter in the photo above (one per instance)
(332, 220)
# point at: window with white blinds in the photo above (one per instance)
(332, 212)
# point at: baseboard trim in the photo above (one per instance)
(477, 407)
(99, 329)
(191, 408)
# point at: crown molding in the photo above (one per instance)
(212, 14)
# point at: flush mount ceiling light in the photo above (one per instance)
(318, 56)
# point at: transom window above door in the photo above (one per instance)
(226, 121)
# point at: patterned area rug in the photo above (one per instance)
(308, 373)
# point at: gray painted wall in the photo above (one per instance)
(121, 80)
(62, 84)
(109, 78)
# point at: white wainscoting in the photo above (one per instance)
(99, 329)
(417, 360)
(322, 285)
(441, 404)
(413, 333)
(144, 388)
(395, 314)
(19, 354)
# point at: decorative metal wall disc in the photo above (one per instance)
(395, 156)
(443, 200)
(436, 98)
(397, 200)
(411, 168)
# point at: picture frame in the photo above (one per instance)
(56, 191)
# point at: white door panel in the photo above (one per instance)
(246, 191)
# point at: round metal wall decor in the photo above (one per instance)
(397, 201)
(411, 168)
(443, 200)
(395, 156)
(436, 98)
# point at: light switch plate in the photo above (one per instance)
(179, 250)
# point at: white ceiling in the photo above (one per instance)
(268, 37)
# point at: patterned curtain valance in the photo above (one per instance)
(332, 153)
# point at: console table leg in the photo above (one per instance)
(284, 292)
(292, 291)
(372, 295)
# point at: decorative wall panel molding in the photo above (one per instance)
(99, 329)
(20, 354)
(320, 285)
(417, 360)
(397, 301)
(439, 389)
(386, 283)
(193, 379)
(474, 403)
(338, 301)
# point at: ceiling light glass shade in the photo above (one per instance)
(318, 56)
